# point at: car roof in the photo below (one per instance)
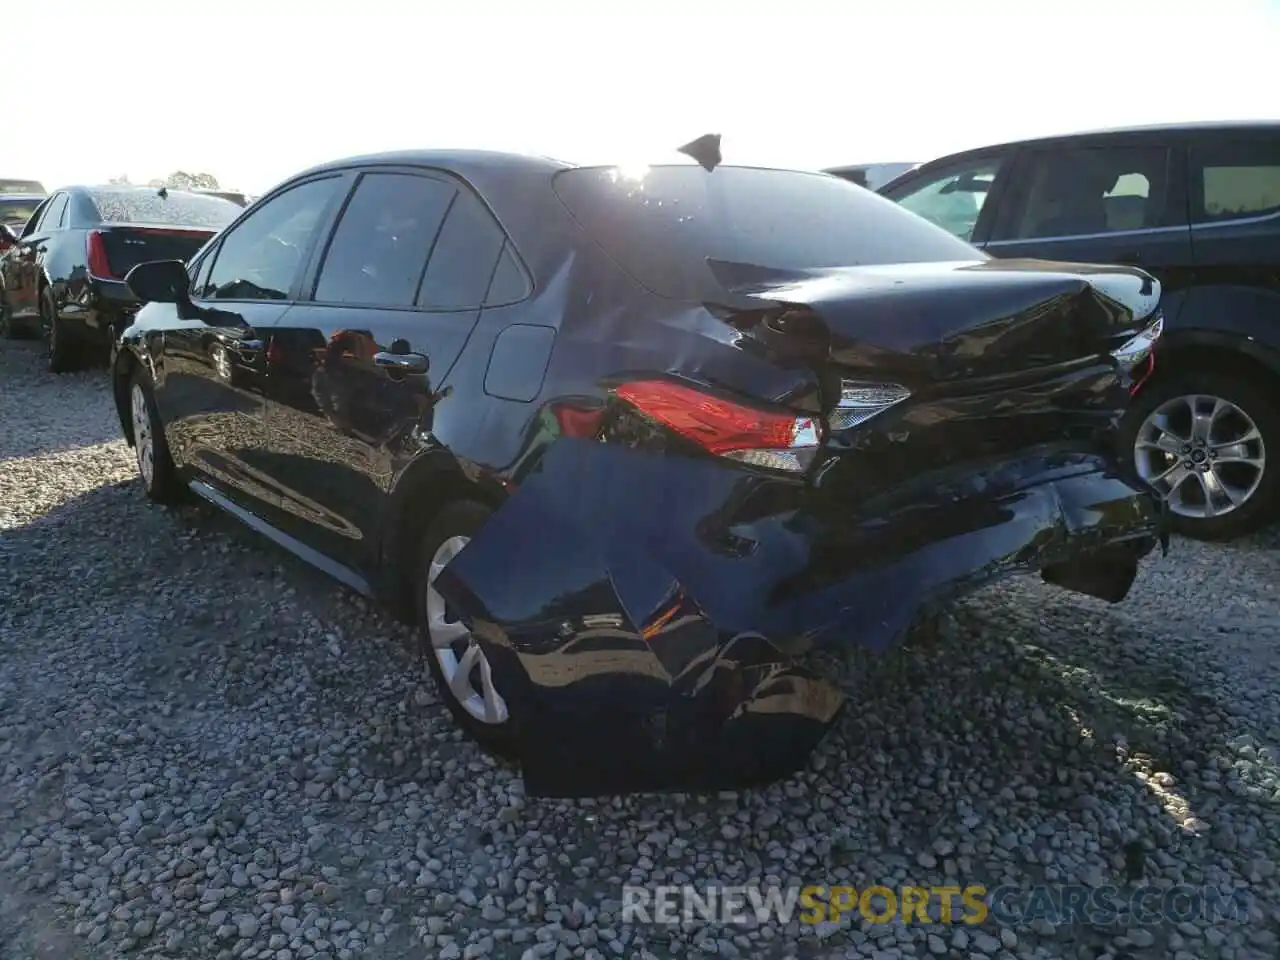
(24, 196)
(1190, 127)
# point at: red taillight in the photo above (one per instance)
(99, 265)
(780, 441)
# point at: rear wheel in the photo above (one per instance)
(1201, 439)
(454, 657)
(64, 351)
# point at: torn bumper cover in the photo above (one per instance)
(645, 616)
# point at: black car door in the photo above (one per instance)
(1116, 201)
(958, 195)
(395, 295)
(213, 365)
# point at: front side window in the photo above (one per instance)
(664, 225)
(954, 200)
(1091, 191)
(379, 250)
(260, 257)
(1235, 179)
(37, 218)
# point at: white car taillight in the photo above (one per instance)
(862, 400)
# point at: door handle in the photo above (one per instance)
(402, 362)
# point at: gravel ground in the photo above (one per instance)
(209, 750)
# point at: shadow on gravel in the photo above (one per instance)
(1115, 744)
(27, 390)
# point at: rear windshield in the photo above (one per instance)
(17, 212)
(661, 225)
(177, 208)
(21, 186)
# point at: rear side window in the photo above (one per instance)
(1234, 179)
(176, 208)
(56, 218)
(464, 257)
(1092, 190)
(664, 224)
(379, 250)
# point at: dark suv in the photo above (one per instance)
(1196, 205)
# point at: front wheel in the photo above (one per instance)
(1201, 439)
(454, 657)
(151, 450)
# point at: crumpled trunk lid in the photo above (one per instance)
(934, 323)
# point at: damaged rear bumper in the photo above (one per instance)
(645, 616)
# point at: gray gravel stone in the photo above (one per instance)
(208, 750)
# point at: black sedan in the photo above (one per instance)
(633, 446)
(62, 275)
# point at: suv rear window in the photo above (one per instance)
(22, 186)
(17, 212)
(177, 208)
(664, 223)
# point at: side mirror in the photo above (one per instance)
(160, 281)
(8, 236)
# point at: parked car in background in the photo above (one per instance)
(627, 444)
(873, 176)
(15, 210)
(63, 277)
(234, 196)
(1198, 206)
(10, 185)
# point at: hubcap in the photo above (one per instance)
(222, 362)
(143, 444)
(463, 664)
(1203, 454)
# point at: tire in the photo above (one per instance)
(64, 353)
(156, 470)
(1252, 480)
(459, 520)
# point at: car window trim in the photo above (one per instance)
(322, 250)
(312, 275)
(65, 198)
(1018, 194)
(325, 223)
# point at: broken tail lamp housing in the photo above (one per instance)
(861, 400)
(1137, 355)
(773, 440)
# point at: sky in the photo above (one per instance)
(253, 92)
